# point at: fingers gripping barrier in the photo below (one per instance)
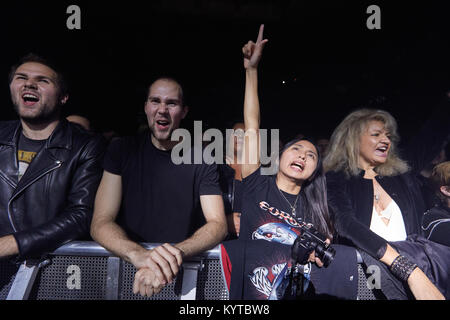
(83, 270)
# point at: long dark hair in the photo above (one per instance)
(314, 194)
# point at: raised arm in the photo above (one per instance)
(252, 55)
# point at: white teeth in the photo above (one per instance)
(298, 165)
(29, 96)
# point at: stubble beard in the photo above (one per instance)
(44, 116)
(163, 138)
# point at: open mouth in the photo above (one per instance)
(163, 124)
(298, 166)
(30, 99)
(382, 151)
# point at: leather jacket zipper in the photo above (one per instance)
(58, 164)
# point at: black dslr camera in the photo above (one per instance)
(308, 241)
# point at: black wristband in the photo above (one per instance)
(402, 268)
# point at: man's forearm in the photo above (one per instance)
(205, 238)
(8, 246)
(112, 237)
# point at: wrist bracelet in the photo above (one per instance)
(402, 268)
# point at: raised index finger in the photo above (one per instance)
(260, 34)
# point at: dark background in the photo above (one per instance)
(330, 61)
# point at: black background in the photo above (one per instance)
(331, 62)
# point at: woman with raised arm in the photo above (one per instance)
(296, 192)
(377, 204)
(275, 208)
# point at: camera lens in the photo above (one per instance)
(326, 255)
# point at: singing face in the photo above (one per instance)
(374, 145)
(35, 93)
(164, 109)
(299, 161)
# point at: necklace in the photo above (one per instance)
(376, 191)
(293, 207)
(378, 206)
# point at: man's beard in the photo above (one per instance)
(44, 116)
(163, 136)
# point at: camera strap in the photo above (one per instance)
(306, 276)
(299, 279)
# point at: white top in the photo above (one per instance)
(395, 229)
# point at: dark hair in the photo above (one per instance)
(314, 194)
(171, 79)
(32, 57)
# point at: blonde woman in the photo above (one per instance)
(374, 198)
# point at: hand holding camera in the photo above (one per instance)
(312, 246)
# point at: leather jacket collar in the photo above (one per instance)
(60, 137)
(48, 159)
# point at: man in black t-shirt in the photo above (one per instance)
(145, 197)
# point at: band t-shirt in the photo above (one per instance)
(28, 149)
(267, 211)
(160, 200)
(255, 266)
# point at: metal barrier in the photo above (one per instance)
(83, 270)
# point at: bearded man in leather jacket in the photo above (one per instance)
(49, 168)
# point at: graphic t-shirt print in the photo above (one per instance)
(285, 231)
(25, 158)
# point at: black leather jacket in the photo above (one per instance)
(53, 202)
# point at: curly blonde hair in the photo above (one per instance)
(343, 154)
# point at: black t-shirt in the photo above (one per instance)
(255, 266)
(28, 149)
(160, 200)
(266, 214)
(237, 203)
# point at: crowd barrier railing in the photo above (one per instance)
(83, 270)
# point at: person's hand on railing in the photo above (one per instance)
(146, 283)
(156, 268)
